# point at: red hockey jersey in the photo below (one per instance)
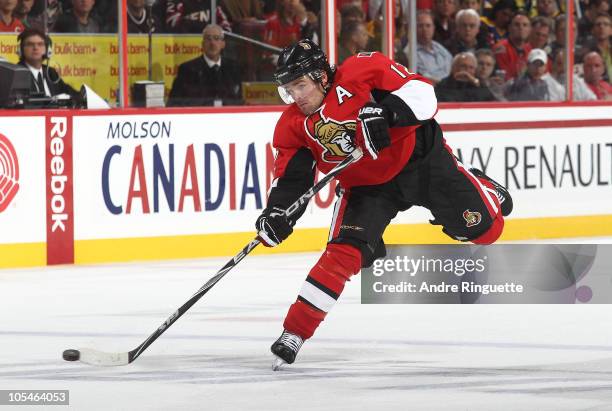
(329, 132)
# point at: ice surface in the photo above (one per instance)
(363, 357)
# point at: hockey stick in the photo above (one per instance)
(95, 357)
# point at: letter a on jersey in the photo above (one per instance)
(341, 93)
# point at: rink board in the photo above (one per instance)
(143, 184)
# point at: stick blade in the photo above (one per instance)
(103, 359)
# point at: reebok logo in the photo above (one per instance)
(58, 178)
(60, 208)
(9, 172)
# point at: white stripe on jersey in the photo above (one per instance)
(420, 97)
(317, 297)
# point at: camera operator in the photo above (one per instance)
(34, 48)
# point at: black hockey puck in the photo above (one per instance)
(71, 355)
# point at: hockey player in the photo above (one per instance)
(376, 104)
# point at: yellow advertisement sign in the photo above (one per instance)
(94, 59)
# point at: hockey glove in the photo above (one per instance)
(373, 128)
(273, 226)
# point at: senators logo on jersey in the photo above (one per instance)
(336, 137)
(472, 218)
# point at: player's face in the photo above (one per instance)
(307, 94)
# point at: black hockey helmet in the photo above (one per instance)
(302, 58)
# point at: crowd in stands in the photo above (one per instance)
(509, 50)
(471, 50)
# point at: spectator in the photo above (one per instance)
(353, 39)
(351, 12)
(24, 7)
(34, 48)
(238, 11)
(8, 22)
(444, 20)
(475, 5)
(541, 31)
(511, 53)
(602, 30)
(559, 41)
(51, 13)
(585, 25)
(138, 18)
(483, 32)
(79, 20)
(462, 84)
(466, 37)
(288, 24)
(547, 8)
(313, 6)
(362, 4)
(580, 92)
(488, 76)
(208, 80)
(433, 60)
(531, 85)
(593, 66)
(191, 16)
(499, 20)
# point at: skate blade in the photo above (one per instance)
(278, 363)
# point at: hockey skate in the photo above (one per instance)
(285, 349)
(505, 200)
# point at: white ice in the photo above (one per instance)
(363, 357)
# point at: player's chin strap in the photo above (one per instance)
(95, 357)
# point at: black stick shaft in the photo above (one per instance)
(292, 209)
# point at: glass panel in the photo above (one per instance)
(360, 27)
(498, 53)
(464, 37)
(278, 25)
(247, 40)
(401, 42)
(81, 36)
(593, 56)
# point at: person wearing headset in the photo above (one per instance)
(34, 48)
